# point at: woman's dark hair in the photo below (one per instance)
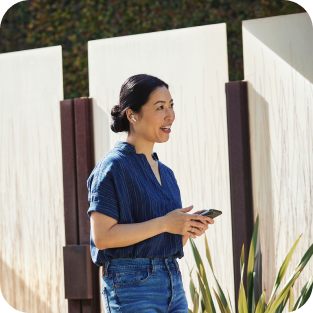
(135, 92)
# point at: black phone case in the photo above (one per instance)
(214, 214)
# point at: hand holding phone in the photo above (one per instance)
(211, 213)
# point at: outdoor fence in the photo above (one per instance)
(244, 148)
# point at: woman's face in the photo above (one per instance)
(157, 113)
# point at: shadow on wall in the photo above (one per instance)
(25, 300)
(299, 27)
(101, 137)
(262, 182)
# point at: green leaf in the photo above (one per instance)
(283, 269)
(220, 291)
(304, 294)
(206, 296)
(283, 303)
(257, 273)
(253, 298)
(199, 262)
(230, 304)
(242, 296)
(208, 254)
(189, 268)
(195, 303)
(260, 305)
(192, 287)
(250, 285)
(307, 295)
(220, 303)
(305, 259)
(242, 260)
(202, 304)
(222, 296)
(283, 293)
(242, 302)
(291, 299)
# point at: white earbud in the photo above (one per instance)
(132, 117)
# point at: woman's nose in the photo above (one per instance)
(170, 115)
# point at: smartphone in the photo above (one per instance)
(211, 213)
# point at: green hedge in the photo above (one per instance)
(43, 23)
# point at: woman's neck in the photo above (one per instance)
(142, 146)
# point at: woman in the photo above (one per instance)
(138, 225)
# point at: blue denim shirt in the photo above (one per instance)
(124, 187)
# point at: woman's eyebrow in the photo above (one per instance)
(162, 101)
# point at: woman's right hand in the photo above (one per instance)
(179, 222)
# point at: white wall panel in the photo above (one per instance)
(278, 64)
(193, 61)
(31, 186)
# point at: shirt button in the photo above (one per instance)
(115, 286)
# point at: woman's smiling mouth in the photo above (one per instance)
(166, 129)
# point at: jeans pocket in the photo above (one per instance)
(134, 276)
(105, 300)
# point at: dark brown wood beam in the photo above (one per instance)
(84, 167)
(240, 175)
(69, 187)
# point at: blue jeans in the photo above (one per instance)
(143, 286)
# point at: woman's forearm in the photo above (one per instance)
(123, 235)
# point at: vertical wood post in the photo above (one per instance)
(83, 293)
(69, 184)
(240, 175)
(84, 167)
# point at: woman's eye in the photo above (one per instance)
(162, 106)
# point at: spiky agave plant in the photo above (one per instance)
(247, 303)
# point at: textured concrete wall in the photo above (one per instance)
(31, 186)
(193, 61)
(278, 65)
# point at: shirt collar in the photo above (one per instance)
(123, 145)
(126, 146)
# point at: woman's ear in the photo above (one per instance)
(129, 114)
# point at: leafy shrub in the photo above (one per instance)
(249, 304)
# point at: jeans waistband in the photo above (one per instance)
(140, 262)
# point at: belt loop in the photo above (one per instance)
(176, 265)
(166, 263)
(105, 266)
(153, 266)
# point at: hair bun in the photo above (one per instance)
(115, 111)
(117, 124)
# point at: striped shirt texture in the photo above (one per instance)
(123, 186)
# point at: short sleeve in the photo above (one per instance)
(102, 194)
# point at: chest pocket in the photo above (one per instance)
(131, 276)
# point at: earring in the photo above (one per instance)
(132, 117)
